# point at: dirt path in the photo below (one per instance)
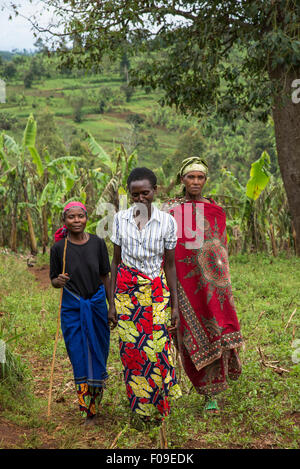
(41, 275)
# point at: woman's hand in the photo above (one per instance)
(112, 316)
(175, 320)
(61, 280)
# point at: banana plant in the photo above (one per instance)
(165, 184)
(34, 175)
(55, 179)
(115, 168)
(245, 209)
(16, 174)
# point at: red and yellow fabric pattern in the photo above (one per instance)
(143, 314)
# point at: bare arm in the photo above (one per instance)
(112, 314)
(170, 271)
(106, 282)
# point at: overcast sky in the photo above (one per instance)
(17, 33)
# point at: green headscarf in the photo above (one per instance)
(193, 163)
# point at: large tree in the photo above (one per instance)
(231, 57)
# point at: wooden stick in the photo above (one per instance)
(258, 319)
(291, 317)
(268, 364)
(112, 446)
(163, 436)
(293, 333)
(56, 337)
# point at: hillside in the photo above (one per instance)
(104, 105)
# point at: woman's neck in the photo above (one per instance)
(78, 238)
(197, 197)
(142, 217)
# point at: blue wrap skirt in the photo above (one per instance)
(86, 334)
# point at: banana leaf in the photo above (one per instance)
(98, 151)
(259, 176)
(63, 160)
(30, 132)
(37, 161)
(11, 145)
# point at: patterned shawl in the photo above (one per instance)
(209, 324)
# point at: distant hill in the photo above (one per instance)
(6, 55)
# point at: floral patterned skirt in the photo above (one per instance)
(143, 313)
(89, 398)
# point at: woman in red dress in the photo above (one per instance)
(209, 333)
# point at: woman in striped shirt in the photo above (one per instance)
(144, 239)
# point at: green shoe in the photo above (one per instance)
(211, 406)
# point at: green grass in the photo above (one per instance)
(258, 410)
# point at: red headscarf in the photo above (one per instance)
(62, 232)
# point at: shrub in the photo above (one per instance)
(135, 119)
(77, 103)
(128, 91)
(7, 121)
(28, 79)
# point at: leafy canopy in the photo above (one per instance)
(205, 55)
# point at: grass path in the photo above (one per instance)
(261, 410)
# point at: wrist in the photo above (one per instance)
(55, 283)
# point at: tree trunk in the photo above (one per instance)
(273, 241)
(13, 233)
(33, 244)
(13, 230)
(286, 116)
(45, 238)
(32, 238)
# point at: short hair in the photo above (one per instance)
(138, 174)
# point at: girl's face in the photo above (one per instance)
(194, 182)
(75, 220)
(142, 192)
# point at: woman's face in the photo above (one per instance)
(194, 182)
(142, 192)
(75, 220)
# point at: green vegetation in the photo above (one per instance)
(260, 410)
(77, 102)
(229, 59)
(68, 107)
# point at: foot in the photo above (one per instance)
(138, 422)
(90, 420)
(143, 422)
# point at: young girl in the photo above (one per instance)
(84, 321)
(143, 238)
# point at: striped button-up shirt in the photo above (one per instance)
(144, 249)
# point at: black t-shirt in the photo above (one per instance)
(84, 264)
